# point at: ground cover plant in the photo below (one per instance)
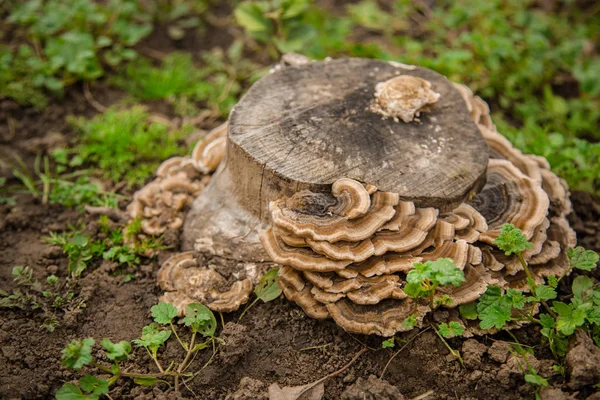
(128, 84)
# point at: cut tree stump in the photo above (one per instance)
(306, 126)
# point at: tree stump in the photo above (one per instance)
(306, 126)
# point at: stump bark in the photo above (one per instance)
(304, 127)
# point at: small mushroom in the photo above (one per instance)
(296, 289)
(502, 149)
(162, 203)
(384, 319)
(410, 235)
(208, 153)
(304, 259)
(186, 282)
(307, 215)
(403, 97)
(510, 197)
(353, 198)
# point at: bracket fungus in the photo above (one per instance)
(313, 179)
(403, 97)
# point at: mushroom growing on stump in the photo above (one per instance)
(346, 173)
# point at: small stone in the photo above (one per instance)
(249, 389)
(372, 388)
(583, 361)
(350, 378)
(52, 269)
(237, 343)
(472, 351)
(52, 252)
(550, 393)
(146, 269)
(475, 375)
(498, 351)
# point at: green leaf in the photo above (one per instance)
(511, 240)
(451, 329)
(442, 271)
(536, 380)
(116, 351)
(252, 18)
(388, 343)
(468, 311)
(153, 337)
(200, 346)
(515, 298)
(163, 313)
(552, 281)
(583, 259)
(293, 8)
(409, 322)
(69, 392)
(569, 317)
(93, 385)
(200, 319)
(77, 354)
(581, 288)
(547, 321)
(268, 289)
(145, 381)
(80, 240)
(414, 290)
(545, 292)
(493, 308)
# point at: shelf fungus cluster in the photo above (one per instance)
(162, 203)
(329, 174)
(345, 255)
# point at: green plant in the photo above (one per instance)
(496, 307)
(278, 23)
(199, 320)
(180, 15)
(67, 42)
(53, 298)
(216, 84)
(124, 145)
(81, 249)
(267, 289)
(424, 278)
(55, 186)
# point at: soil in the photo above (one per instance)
(274, 342)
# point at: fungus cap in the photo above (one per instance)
(403, 97)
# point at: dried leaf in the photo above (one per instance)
(312, 391)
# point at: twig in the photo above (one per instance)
(331, 375)
(400, 349)
(93, 102)
(315, 347)
(184, 362)
(423, 396)
(112, 213)
(455, 353)
(11, 128)
(156, 54)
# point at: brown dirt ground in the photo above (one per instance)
(275, 342)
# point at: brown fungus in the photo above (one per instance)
(510, 197)
(187, 282)
(315, 180)
(384, 319)
(308, 215)
(403, 97)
